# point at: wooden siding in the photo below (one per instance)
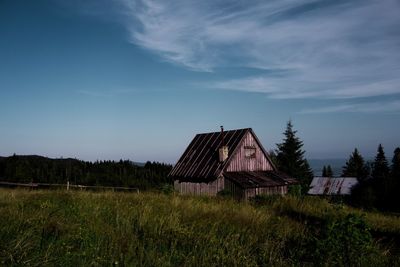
(237, 191)
(209, 189)
(240, 162)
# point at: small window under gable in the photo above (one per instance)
(249, 152)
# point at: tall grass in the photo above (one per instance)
(47, 228)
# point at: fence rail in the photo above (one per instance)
(67, 186)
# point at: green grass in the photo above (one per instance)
(47, 228)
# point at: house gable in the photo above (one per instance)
(249, 156)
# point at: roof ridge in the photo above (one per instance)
(240, 129)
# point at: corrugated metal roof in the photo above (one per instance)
(259, 179)
(332, 186)
(201, 160)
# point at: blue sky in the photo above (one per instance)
(137, 80)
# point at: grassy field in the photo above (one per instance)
(47, 228)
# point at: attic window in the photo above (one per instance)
(249, 152)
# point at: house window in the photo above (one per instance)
(249, 152)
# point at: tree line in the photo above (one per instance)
(379, 181)
(124, 173)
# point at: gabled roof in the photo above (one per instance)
(200, 161)
(332, 186)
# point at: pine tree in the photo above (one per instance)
(380, 168)
(308, 174)
(355, 166)
(290, 158)
(329, 172)
(324, 173)
(380, 176)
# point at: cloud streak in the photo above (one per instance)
(374, 107)
(322, 49)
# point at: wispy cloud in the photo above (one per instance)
(295, 87)
(375, 107)
(324, 49)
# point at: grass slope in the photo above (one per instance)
(47, 228)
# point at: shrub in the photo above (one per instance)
(167, 189)
(344, 242)
(294, 190)
(364, 195)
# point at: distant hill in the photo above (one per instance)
(139, 164)
(318, 164)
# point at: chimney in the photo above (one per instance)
(223, 149)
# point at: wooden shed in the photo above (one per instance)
(234, 161)
(332, 185)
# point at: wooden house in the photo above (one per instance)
(233, 161)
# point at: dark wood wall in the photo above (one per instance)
(237, 191)
(209, 189)
(212, 188)
(240, 193)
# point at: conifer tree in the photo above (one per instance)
(355, 166)
(380, 176)
(329, 172)
(308, 174)
(380, 169)
(324, 173)
(290, 158)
